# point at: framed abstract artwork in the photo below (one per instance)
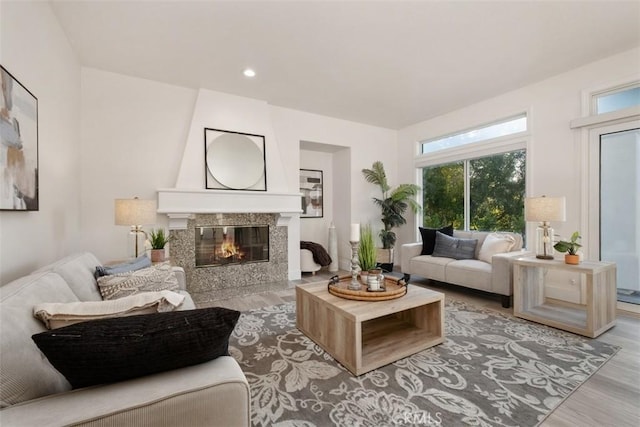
(18, 146)
(311, 189)
(234, 160)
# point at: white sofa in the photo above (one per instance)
(33, 393)
(494, 277)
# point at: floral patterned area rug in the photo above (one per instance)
(492, 370)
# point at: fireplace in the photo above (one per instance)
(224, 245)
(215, 273)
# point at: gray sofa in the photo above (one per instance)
(494, 277)
(33, 393)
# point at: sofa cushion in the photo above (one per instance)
(452, 247)
(77, 270)
(24, 373)
(110, 350)
(156, 278)
(495, 243)
(139, 263)
(470, 273)
(429, 266)
(58, 315)
(429, 237)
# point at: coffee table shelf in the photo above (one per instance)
(365, 335)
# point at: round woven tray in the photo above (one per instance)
(393, 288)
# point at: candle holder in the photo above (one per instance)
(355, 267)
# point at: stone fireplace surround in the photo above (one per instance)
(206, 284)
(190, 208)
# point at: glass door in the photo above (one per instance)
(619, 154)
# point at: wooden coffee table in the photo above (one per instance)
(365, 335)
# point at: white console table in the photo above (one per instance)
(590, 319)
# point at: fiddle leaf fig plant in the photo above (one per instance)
(571, 247)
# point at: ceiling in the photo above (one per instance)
(384, 63)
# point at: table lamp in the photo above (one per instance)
(544, 210)
(135, 213)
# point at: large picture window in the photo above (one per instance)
(485, 193)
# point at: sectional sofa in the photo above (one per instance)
(33, 393)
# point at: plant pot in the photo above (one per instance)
(384, 259)
(572, 259)
(157, 255)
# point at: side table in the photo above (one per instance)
(590, 319)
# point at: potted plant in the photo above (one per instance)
(571, 248)
(366, 251)
(393, 205)
(158, 240)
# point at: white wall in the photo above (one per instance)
(352, 147)
(135, 130)
(35, 50)
(554, 152)
(133, 137)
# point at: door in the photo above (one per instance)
(618, 203)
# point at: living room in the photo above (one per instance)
(104, 135)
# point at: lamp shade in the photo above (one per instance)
(543, 208)
(135, 211)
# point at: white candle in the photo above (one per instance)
(355, 233)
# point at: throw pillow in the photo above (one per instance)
(141, 262)
(111, 350)
(58, 315)
(495, 243)
(159, 277)
(452, 247)
(429, 237)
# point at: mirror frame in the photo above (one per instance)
(239, 163)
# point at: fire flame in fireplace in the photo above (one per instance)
(229, 249)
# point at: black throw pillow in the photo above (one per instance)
(111, 350)
(429, 237)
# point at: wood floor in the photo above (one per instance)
(611, 397)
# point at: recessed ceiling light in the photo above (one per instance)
(248, 72)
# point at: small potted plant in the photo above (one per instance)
(158, 240)
(571, 248)
(366, 251)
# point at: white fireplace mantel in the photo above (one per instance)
(182, 204)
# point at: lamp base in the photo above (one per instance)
(544, 257)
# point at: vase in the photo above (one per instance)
(157, 255)
(572, 259)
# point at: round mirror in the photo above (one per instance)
(235, 161)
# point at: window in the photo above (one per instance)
(485, 193)
(510, 126)
(617, 99)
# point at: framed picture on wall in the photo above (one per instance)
(311, 189)
(18, 146)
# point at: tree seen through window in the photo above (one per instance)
(495, 197)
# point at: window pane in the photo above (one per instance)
(495, 130)
(443, 195)
(606, 103)
(497, 191)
